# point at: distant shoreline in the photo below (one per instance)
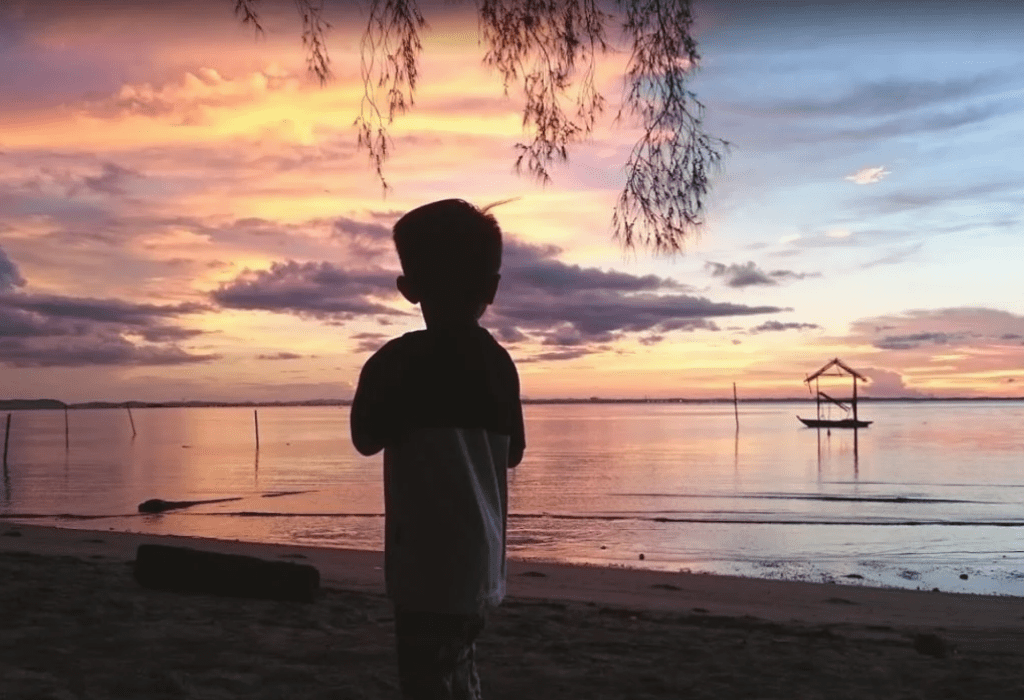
(54, 404)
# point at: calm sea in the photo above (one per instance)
(930, 496)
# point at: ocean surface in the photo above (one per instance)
(930, 496)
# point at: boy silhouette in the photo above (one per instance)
(443, 404)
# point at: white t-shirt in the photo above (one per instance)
(445, 407)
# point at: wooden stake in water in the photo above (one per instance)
(256, 420)
(7, 438)
(735, 406)
(67, 439)
(130, 419)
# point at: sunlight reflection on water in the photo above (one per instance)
(934, 489)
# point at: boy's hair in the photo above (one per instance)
(449, 245)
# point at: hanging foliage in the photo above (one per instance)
(549, 48)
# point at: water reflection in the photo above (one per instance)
(8, 495)
(842, 434)
(663, 471)
(856, 452)
(736, 451)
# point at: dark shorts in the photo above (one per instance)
(437, 655)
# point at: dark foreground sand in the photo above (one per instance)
(74, 624)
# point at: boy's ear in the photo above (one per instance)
(491, 289)
(407, 289)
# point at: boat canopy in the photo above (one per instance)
(836, 362)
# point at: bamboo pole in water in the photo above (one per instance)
(7, 438)
(256, 420)
(67, 438)
(130, 419)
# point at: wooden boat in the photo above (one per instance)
(842, 423)
(841, 369)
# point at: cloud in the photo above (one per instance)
(188, 99)
(885, 383)
(913, 200)
(773, 326)
(280, 356)
(957, 350)
(540, 298)
(111, 180)
(535, 266)
(10, 277)
(124, 313)
(365, 240)
(864, 238)
(884, 109)
(921, 124)
(601, 316)
(510, 335)
(321, 290)
(557, 355)
(569, 335)
(571, 306)
(894, 257)
(18, 352)
(868, 176)
(739, 274)
(974, 326)
(45, 330)
(896, 95)
(370, 341)
(916, 340)
(748, 274)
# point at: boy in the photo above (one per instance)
(443, 404)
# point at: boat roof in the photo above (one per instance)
(836, 362)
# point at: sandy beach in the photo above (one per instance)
(75, 624)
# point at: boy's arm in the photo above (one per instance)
(517, 441)
(368, 417)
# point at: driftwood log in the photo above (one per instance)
(186, 570)
(159, 505)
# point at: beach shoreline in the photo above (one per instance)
(77, 625)
(772, 600)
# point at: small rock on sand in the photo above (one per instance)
(930, 644)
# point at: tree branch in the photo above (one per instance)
(314, 29)
(541, 43)
(390, 49)
(548, 47)
(668, 171)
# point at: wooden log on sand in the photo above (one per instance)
(185, 570)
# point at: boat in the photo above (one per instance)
(842, 423)
(849, 421)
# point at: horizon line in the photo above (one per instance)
(56, 404)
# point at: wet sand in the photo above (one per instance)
(75, 624)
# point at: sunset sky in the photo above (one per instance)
(184, 213)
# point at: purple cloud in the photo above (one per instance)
(321, 290)
(748, 274)
(56, 331)
(10, 277)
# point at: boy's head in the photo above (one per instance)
(451, 254)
